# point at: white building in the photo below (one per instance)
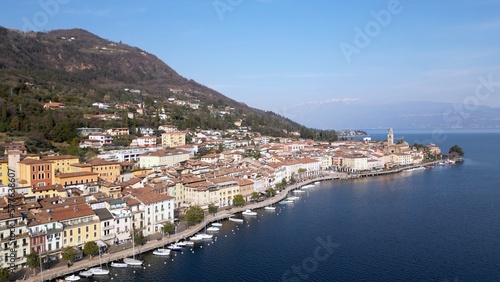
(163, 158)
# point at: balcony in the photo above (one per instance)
(108, 227)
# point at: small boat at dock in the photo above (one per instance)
(212, 229)
(239, 220)
(118, 264)
(249, 213)
(85, 273)
(72, 278)
(269, 208)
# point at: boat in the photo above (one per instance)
(99, 271)
(316, 183)
(181, 243)
(293, 199)
(196, 238)
(175, 247)
(269, 208)
(161, 252)
(85, 273)
(239, 220)
(189, 243)
(205, 236)
(132, 260)
(217, 224)
(72, 278)
(307, 186)
(298, 191)
(249, 212)
(118, 264)
(212, 229)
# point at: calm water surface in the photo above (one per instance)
(441, 224)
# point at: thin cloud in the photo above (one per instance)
(88, 12)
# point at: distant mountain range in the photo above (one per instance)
(416, 115)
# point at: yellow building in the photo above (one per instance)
(74, 178)
(107, 170)
(35, 172)
(113, 191)
(80, 224)
(4, 179)
(173, 139)
(41, 192)
(61, 163)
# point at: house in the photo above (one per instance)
(163, 158)
(173, 139)
(158, 209)
(123, 131)
(103, 138)
(14, 238)
(53, 105)
(80, 224)
(144, 141)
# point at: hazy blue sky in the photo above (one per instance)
(273, 54)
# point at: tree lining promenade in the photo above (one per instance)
(61, 270)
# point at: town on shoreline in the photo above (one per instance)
(55, 203)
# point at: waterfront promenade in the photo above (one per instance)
(120, 252)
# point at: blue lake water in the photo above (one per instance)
(440, 224)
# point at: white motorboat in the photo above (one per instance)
(85, 273)
(205, 236)
(249, 212)
(161, 252)
(175, 247)
(212, 229)
(239, 220)
(217, 224)
(307, 186)
(132, 261)
(269, 208)
(99, 271)
(72, 278)
(189, 243)
(196, 238)
(316, 183)
(298, 191)
(118, 264)
(181, 243)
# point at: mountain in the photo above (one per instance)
(78, 68)
(415, 115)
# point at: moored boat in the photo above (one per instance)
(72, 278)
(239, 220)
(132, 261)
(249, 212)
(212, 229)
(269, 208)
(161, 252)
(217, 224)
(85, 273)
(118, 264)
(175, 247)
(99, 271)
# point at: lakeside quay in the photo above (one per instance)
(59, 272)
